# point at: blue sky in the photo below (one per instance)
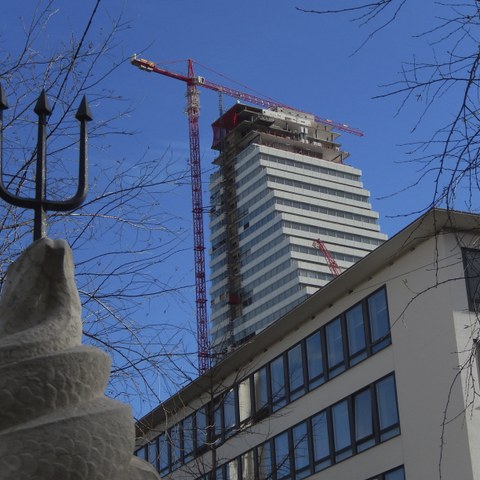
(303, 60)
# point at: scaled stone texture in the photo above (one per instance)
(55, 422)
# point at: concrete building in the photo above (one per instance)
(373, 377)
(280, 184)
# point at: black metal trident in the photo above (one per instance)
(40, 204)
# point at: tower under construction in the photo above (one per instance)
(280, 185)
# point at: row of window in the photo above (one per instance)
(351, 337)
(268, 319)
(258, 281)
(351, 426)
(395, 474)
(242, 210)
(312, 168)
(326, 232)
(314, 251)
(317, 188)
(327, 211)
(259, 307)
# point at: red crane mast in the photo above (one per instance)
(193, 111)
(332, 264)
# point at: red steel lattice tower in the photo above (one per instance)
(193, 110)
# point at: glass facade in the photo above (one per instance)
(277, 197)
(348, 427)
(323, 440)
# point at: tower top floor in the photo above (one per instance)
(281, 128)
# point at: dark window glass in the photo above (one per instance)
(248, 465)
(301, 455)
(277, 376)
(295, 372)
(231, 470)
(188, 438)
(356, 334)
(378, 315)
(218, 473)
(282, 459)
(321, 446)
(387, 408)
(314, 360)
(201, 429)
(264, 461)
(397, 474)
(141, 453)
(164, 456)
(261, 389)
(218, 417)
(334, 337)
(153, 452)
(471, 259)
(363, 420)
(229, 410)
(245, 409)
(175, 450)
(341, 431)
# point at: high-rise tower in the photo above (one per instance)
(281, 184)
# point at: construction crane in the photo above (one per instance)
(332, 264)
(193, 109)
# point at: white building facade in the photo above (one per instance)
(375, 377)
(280, 185)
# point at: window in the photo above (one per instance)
(231, 470)
(295, 372)
(277, 379)
(395, 474)
(387, 408)
(152, 452)
(141, 453)
(229, 413)
(245, 410)
(247, 461)
(175, 450)
(188, 446)
(313, 345)
(282, 457)
(379, 324)
(341, 431)
(335, 355)
(301, 455)
(356, 334)
(321, 443)
(264, 461)
(201, 429)
(471, 261)
(364, 436)
(163, 454)
(261, 391)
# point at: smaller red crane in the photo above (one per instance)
(332, 264)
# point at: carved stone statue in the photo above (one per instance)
(55, 422)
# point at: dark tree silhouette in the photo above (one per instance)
(123, 233)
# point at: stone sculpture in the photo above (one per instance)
(55, 422)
